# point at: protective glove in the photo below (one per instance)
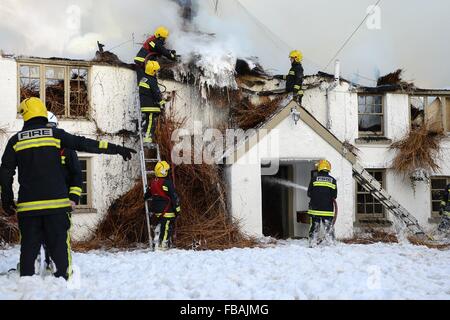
(279, 77)
(173, 55)
(125, 152)
(9, 208)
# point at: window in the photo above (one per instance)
(438, 186)
(63, 88)
(367, 207)
(55, 90)
(30, 81)
(432, 110)
(78, 91)
(370, 115)
(86, 194)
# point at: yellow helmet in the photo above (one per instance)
(162, 169)
(297, 55)
(31, 108)
(162, 32)
(152, 67)
(324, 165)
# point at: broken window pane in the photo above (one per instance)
(370, 114)
(78, 99)
(372, 124)
(30, 85)
(429, 110)
(55, 90)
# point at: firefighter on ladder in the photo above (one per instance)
(294, 79)
(43, 206)
(151, 101)
(323, 191)
(165, 205)
(444, 225)
(152, 49)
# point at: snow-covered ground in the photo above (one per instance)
(288, 270)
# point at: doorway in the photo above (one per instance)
(277, 203)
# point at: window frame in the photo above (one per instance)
(88, 190)
(371, 216)
(42, 79)
(435, 214)
(382, 133)
(445, 113)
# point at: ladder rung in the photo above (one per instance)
(150, 172)
(151, 160)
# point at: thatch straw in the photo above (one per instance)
(379, 236)
(247, 115)
(395, 78)
(418, 150)
(9, 230)
(205, 222)
(372, 236)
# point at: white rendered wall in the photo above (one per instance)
(296, 143)
(113, 98)
(416, 200)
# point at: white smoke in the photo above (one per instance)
(268, 30)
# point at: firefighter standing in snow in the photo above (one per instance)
(152, 49)
(73, 176)
(151, 100)
(165, 204)
(43, 204)
(444, 225)
(294, 79)
(323, 191)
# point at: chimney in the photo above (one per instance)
(337, 71)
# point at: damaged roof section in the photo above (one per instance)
(394, 83)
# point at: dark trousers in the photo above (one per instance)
(139, 72)
(54, 229)
(166, 226)
(315, 226)
(149, 124)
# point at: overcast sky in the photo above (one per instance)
(413, 35)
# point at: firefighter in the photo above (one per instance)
(151, 101)
(153, 49)
(73, 177)
(444, 225)
(294, 79)
(165, 205)
(323, 191)
(43, 206)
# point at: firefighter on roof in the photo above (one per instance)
(294, 79)
(165, 204)
(323, 191)
(151, 101)
(43, 205)
(152, 49)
